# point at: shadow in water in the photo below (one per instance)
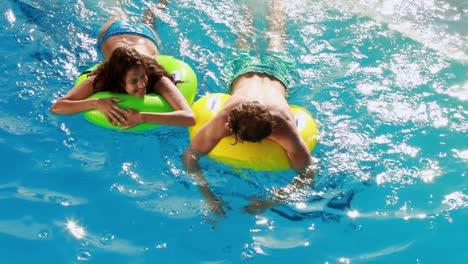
(330, 210)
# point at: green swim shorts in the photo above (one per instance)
(276, 64)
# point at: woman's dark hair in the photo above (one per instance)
(250, 121)
(110, 75)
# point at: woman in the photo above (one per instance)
(129, 67)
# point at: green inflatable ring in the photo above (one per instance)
(187, 84)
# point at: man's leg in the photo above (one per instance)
(246, 30)
(283, 66)
(276, 26)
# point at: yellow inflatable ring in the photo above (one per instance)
(264, 156)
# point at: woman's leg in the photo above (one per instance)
(149, 17)
(115, 17)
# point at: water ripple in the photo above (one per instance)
(14, 190)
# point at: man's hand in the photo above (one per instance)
(216, 206)
(286, 194)
(258, 207)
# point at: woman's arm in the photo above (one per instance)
(181, 116)
(75, 102)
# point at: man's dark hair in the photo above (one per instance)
(250, 121)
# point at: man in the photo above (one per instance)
(256, 110)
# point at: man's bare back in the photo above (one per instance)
(268, 91)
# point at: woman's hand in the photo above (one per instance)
(113, 113)
(132, 118)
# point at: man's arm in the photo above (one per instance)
(202, 143)
(301, 161)
(299, 157)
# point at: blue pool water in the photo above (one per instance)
(386, 80)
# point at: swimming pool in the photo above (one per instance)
(387, 81)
